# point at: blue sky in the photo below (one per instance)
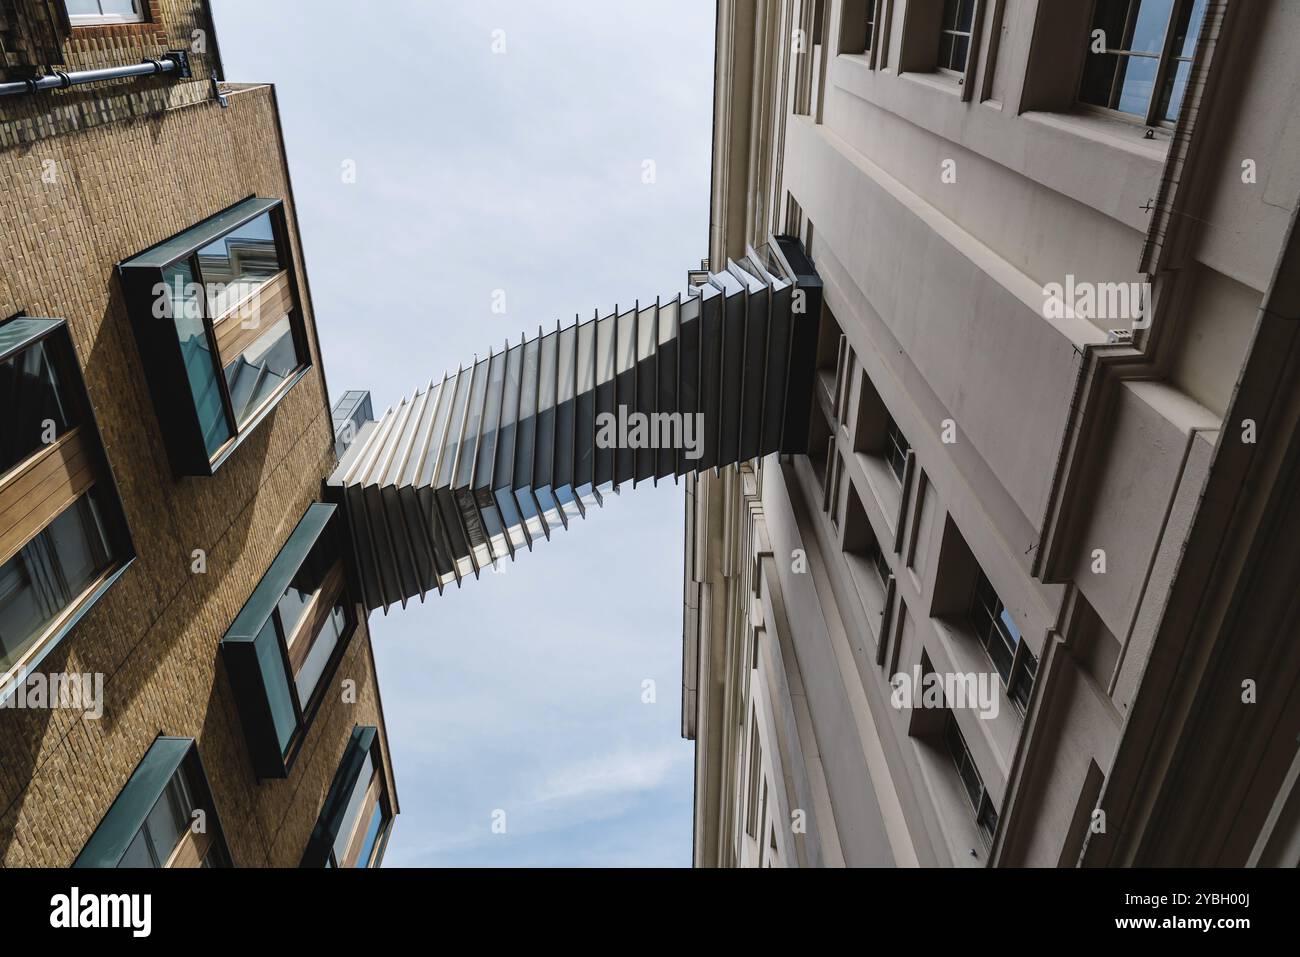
(519, 169)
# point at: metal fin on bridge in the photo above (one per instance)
(470, 470)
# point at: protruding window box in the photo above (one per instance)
(63, 536)
(285, 645)
(163, 817)
(355, 821)
(220, 329)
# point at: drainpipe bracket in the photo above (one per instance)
(182, 60)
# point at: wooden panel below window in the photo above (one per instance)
(361, 825)
(247, 321)
(314, 616)
(39, 490)
(190, 850)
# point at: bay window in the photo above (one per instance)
(63, 539)
(289, 638)
(217, 319)
(163, 817)
(354, 823)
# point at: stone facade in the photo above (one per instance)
(1118, 484)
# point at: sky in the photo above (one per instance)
(449, 159)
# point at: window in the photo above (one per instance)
(857, 26)
(882, 564)
(896, 448)
(288, 639)
(1145, 57)
(755, 774)
(354, 823)
(217, 320)
(866, 562)
(85, 12)
(164, 816)
(954, 35)
(1000, 636)
(63, 538)
(821, 446)
(986, 815)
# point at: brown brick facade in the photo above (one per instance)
(117, 189)
(35, 37)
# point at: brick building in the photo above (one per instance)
(162, 527)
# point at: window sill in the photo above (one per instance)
(948, 797)
(251, 425)
(999, 734)
(885, 489)
(942, 82)
(870, 591)
(826, 392)
(1106, 130)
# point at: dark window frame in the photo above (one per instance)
(1167, 62)
(986, 618)
(977, 794)
(953, 30)
(130, 811)
(321, 527)
(160, 348)
(364, 743)
(880, 562)
(18, 334)
(895, 448)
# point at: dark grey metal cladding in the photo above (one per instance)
(466, 472)
(666, 376)
(805, 315)
(754, 371)
(709, 377)
(606, 384)
(731, 385)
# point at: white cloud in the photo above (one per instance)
(619, 773)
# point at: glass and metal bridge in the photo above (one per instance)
(469, 471)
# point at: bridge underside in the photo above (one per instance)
(470, 470)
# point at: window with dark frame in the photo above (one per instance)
(288, 640)
(870, 23)
(896, 448)
(356, 819)
(878, 559)
(821, 445)
(63, 536)
(231, 341)
(1000, 637)
(88, 12)
(164, 817)
(986, 815)
(955, 35)
(755, 772)
(1146, 59)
